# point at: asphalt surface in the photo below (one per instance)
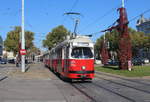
(39, 84)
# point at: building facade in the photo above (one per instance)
(143, 25)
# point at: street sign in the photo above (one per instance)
(23, 52)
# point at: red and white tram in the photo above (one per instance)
(73, 58)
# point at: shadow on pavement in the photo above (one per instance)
(3, 78)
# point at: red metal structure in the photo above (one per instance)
(104, 53)
(124, 52)
(73, 58)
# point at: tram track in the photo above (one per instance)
(137, 91)
(118, 83)
(124, 89)
(125, 82)
(87, 89)
(122, 78)
(109, 90)
(78, 87)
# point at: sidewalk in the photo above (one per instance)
(38, 84)
(4, 71)
(18, 90)
(34, 71)
(33, 86)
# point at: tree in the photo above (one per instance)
(112, 39)
(57, 35)
(138, 39)
(29, 37)
(1, 45)
(34, 50)
(97, 47)
(13, 37)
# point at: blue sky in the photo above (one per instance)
(43, 15)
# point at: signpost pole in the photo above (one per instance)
(23, 40)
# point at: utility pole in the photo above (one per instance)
(22, 40)
(123, 3)
(75, 28)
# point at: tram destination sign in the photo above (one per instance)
(83, 44)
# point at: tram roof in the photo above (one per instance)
(76, 39)
(81, 39)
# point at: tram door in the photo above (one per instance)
(66, 59)
(63, 58)
(60, 54)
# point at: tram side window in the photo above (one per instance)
(60, 53)
(81, 52)
(67, 52)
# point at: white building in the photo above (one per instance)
(143, 25)
(9, 55)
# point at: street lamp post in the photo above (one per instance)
(23, 40)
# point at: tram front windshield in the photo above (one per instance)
(81, 52)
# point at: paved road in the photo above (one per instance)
(112, 88)
(39, 84)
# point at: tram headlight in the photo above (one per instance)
(83, 67)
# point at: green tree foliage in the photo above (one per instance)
(111, 37)
(138, 39)
(35, 50)
(97, 47)
(29, 37)
(12, 41)
(56, 36)
(1, 45)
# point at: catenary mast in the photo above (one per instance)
(124, 51)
